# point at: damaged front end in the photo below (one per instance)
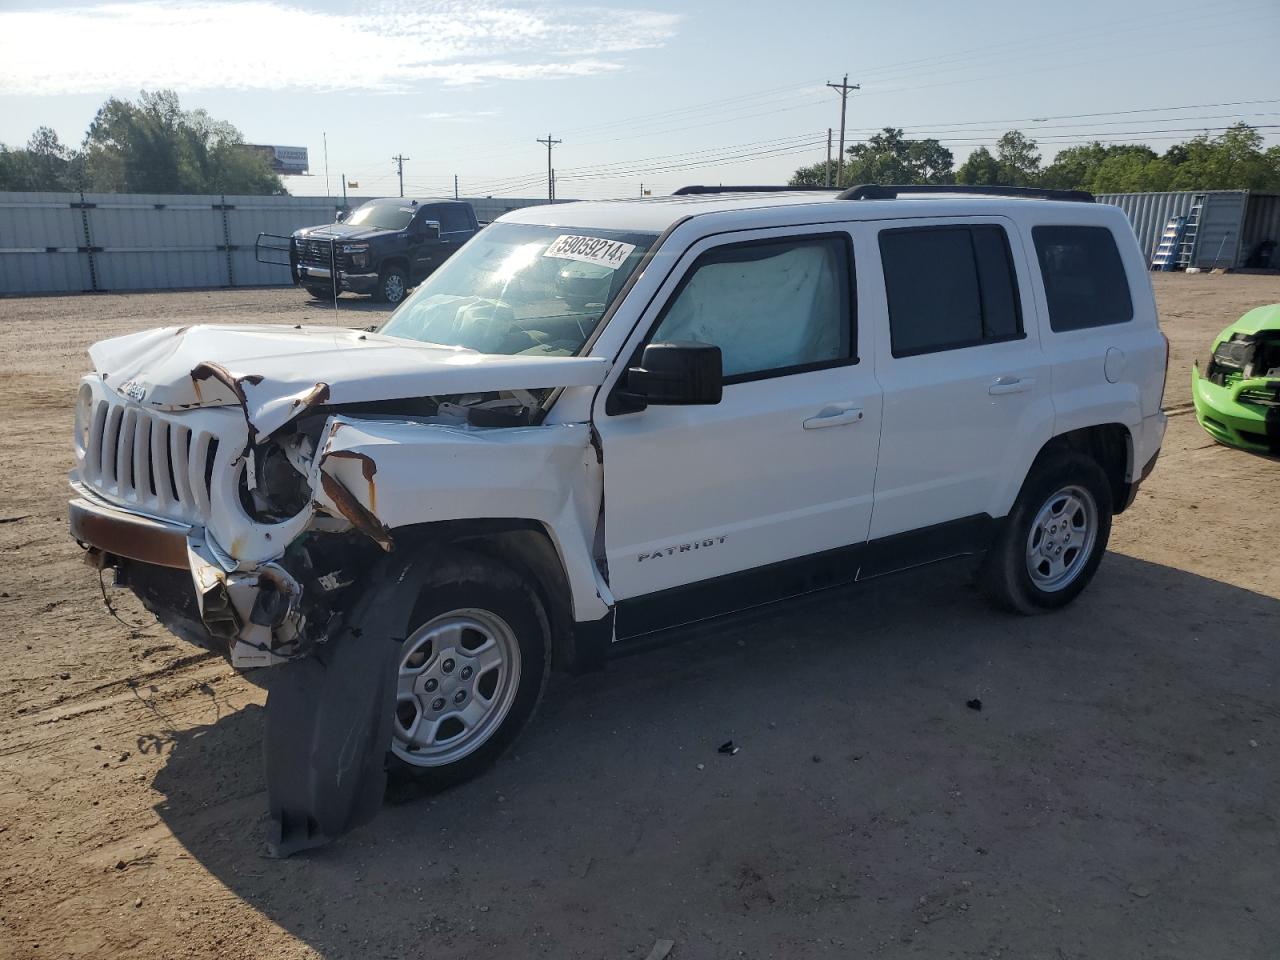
(254, 510)
(1237, 397)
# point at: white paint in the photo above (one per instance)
(783, 467)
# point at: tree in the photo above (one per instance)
(151, 146)
(154, 146)
(887, 157)
(1019, 159)
(980, 168)
(1233, 160)
(1118, 168)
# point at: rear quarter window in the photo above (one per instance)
(1084, 280)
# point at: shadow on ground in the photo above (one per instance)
(1115, 795)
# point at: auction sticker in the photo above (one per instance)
(605, 253)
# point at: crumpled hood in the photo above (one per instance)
(278, 372)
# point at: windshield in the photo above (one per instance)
(383, 214)
(521, 288)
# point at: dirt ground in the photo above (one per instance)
(1115, 797)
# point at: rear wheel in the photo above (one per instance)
(393, 284)
(469, 673)
(1054, 538)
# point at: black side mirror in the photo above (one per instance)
(676, 373)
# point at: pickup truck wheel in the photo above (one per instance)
(393, 284)
(469, 673)
(1053, 539)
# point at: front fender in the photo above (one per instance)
(383, 475)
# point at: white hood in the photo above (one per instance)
(278, 372)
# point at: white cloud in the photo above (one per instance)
(273, 45)
(440, 116)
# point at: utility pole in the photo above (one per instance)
(399, 161)
(843, 89)
(551, 177)
(344, 190)
(828, 183)
(326, 163)
(455, 186)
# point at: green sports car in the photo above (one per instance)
(1238, 397)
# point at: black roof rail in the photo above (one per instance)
(698, 188)
(878, 191)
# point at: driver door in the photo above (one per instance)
(766, 495)
(424, 245)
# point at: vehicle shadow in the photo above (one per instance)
(915, 770)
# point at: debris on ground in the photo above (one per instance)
(728, 747)
(974, 704)
(660, 949)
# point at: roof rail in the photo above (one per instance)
(878, 191)
(698, 188)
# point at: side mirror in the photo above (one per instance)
(675, 373)
(342, 215)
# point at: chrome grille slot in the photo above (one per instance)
(154, 460)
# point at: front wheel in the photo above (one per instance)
(469, 673)
(1053, 539)
(393, 284)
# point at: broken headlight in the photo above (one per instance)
(273, 487)
(84, 419)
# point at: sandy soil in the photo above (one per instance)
(1115, 796)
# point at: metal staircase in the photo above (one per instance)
(1177, 247)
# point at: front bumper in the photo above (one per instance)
(251, 616)
(348, 282)
(1229, 420)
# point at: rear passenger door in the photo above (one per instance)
(967, 398)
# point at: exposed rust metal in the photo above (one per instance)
(356, 512)
(367, 467)
(208, 370)
(314, 397)
(129, 536)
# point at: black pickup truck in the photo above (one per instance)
(383, 247)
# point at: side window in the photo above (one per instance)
(452, 218)
(771, 306)
(949, 287)
(1084, 280)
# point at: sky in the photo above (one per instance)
(648, 95)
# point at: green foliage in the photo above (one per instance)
(980, 168)
(1233, 160)
(151, 146)
(887, 157)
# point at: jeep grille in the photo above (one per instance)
(137, 457)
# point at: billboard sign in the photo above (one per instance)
(286, 161)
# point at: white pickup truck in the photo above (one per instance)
(601, 422)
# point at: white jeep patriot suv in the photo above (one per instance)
(599, 422)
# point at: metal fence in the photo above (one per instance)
(73, 243)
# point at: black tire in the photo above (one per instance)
(393, 285)
(1006, 576)
(462, 580)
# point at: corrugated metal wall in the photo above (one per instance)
(68, 243)
(1220, 240)
(1261, 222)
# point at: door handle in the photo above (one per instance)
(1011, 385)
(833, 415)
